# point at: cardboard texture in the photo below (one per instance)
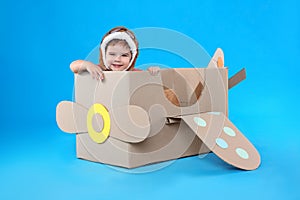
(131, 119)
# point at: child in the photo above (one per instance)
(118, 52)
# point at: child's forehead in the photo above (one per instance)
(117, 46)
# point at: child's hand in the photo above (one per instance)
(79, 66)
(154, 70)
(95, 71)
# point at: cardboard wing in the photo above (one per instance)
(221, 136)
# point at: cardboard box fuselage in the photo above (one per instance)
(198, 90)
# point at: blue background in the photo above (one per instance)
(39, 39)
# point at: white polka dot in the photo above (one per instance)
(229, 131)
(242, 153)
(221, 143)
(199, 121)
(214, 113)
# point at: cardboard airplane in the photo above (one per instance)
(133, 118)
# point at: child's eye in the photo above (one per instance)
(125, 55)
(111, 54)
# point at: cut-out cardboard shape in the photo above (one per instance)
(132, 118)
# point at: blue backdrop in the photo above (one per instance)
(39, 39)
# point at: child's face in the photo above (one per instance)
(118, 57)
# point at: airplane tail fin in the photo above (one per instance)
(217, 60)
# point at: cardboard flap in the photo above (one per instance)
(191, 85)
(224, 139)
(72, 118)
(237, 78)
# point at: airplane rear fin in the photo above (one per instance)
(217, 60)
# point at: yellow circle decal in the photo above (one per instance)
(101, 136)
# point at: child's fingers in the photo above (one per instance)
(154, 71)
(94, 75)
(100, 74)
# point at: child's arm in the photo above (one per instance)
(79, 66)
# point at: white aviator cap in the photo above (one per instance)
(120, 36)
